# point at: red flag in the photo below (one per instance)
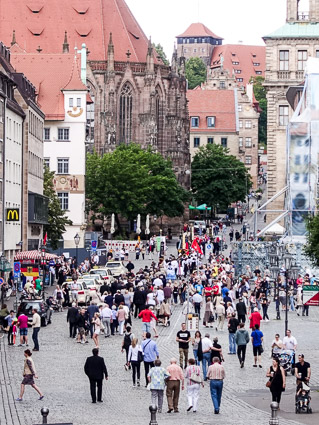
(45, 238)
(196, 247)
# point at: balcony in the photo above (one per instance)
(303, 16)
(37, 208)
(283, 75)
(300, 75)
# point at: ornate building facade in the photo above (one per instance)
(136, 97)
(287, 51)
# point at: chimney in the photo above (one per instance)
(13, 42)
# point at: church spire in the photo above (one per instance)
(65, 44)
(110, 54)
(174, 61)
(150, 57)
(14, 41)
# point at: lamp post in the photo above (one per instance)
(43, 268)
(287, 261)
(76, 241)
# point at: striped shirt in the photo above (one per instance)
(216, 371)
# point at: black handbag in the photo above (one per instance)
(140, 356)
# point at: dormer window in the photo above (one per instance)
(35, 6)
(194, 122)
(210, 122)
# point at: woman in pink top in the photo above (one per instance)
(193, 386)
(121, 318)
(23, 326)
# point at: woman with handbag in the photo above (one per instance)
(194, 381)
(135, 357)
(209, 313)
(197, 347)
(277, 380)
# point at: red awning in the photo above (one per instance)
(33, 255)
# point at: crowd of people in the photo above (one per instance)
(133, 306)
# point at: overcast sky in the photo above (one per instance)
(234, 20)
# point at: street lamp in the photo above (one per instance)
(43, 269)
(76, 241)
(287, 261)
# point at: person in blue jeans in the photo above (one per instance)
(206, 348)
(216, 375)
(232, 328)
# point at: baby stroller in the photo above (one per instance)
(286, 358)
(302, 403)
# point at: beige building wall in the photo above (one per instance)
(232, 140)
(277, 83)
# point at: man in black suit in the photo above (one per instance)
(95, 369)
(72, 318)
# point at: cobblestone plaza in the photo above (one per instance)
(60, 363)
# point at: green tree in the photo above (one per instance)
(57, 219)
(132, 181)
(260, 95)
(218, 179)
(311, 248)
(195, 71)
(160, 51)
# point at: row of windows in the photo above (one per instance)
(248, 124)
(35, 165)
(13, 131)
(35, 126)
(210, 141)
(62, 165)
(248, 142)
(196, 40)
(75, 102)
(195, 50)
(63, 134)
(210, 122)
(302, 57)
(13, 172)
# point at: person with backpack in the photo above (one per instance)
(135, 357)
(126, 343)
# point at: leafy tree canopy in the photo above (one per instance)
(218, 179)
(160, 51)
(195, 71)
(131, 181)
(57, 219)
(311, 249)
(260, 95)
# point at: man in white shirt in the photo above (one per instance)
(158, 282)
(197, 301)
(106, 315)
(206, 347)
(289, 342)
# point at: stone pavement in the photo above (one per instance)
(60, 362)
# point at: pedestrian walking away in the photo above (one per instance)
(257, 340)
(150, 351)
(241, 339)
(29, 373)
(176, 376)
(95, 370)
(216, 375)
(135, 357)
(157, 378)
(194, 381)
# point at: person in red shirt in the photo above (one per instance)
(146, 315)
(208, 291)
(255, 319)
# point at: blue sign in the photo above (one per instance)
(16, 270)
(1, 281)
(209, 246)
(93, 245)
(52, 263)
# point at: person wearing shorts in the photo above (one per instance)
(257, 341)
(23, 327)
(74, 292)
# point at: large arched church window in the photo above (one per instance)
(126, 107)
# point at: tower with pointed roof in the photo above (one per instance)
(287, 51)
(197, 41)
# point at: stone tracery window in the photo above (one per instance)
(126, 107)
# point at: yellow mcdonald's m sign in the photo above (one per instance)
(13, 214)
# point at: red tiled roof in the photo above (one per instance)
(198, 30)
(50, 73)
(247, 56)
(43, 23)
(216, 103)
